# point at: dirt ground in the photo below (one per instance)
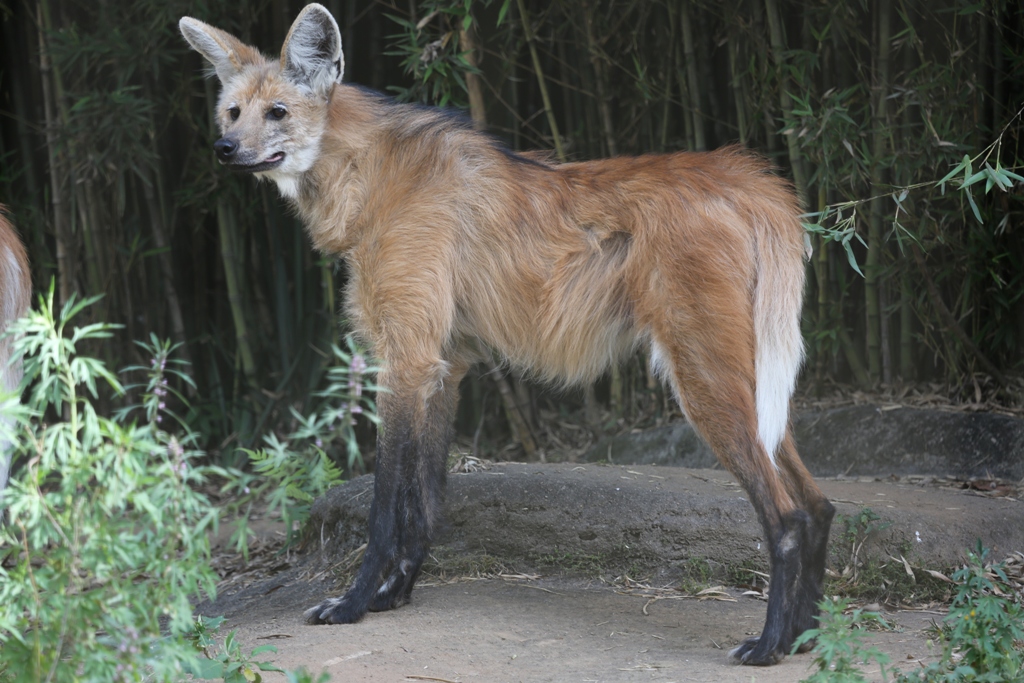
(504, 631)
(545, 626)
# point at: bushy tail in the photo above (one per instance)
(778, 299)
(15, 292)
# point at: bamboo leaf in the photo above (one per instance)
(966, 163)
(1014, 176)
(503, 11)
(973, 178)
(999, 177)
(851, 258)
(974, 207)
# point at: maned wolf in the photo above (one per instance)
(15, 291)
(457, 245)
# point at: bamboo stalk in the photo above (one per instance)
(684, 92)
(283, 306)
(689, 54)
(164, 258)
(883, 329)
(92, 258)
(906, 291)
(982, 75)
(594, 139)
(778, 53)
(853, 358)
(764, 114)
(520, 429)
(616, 392)
(570, 96)
(821, 278)
(50, 77)
(906, 327)
(477, 108)
(591, 414)
(226, 226)
(1019, 307)
(950, 321)
(710, 89)
(524, 401)
(600, 81)
(737, 86)
(998, 89)
(512, 80)
(669, 64)
(539, 71)
(478, 410)
(873, 264)
(20, 100)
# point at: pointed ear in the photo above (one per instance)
(226, 53)
(311, 56)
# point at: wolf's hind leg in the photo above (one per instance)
(706, 349)
(815, 549)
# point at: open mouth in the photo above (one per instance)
(270, 163)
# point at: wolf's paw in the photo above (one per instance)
(334, 611)
(752, 653)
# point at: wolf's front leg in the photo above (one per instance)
(394, 446)
(409, 487)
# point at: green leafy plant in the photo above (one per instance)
(839, 643)
(290, 472)
(107, 534)
(983, 632)
(227, 662)
(432, 53)
(157, 388)
(302, 676)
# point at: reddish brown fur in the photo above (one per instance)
(556, 266)
(457, 246)
(15, 291)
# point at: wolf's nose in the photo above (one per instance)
(225, 148)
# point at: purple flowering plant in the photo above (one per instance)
(299, 466)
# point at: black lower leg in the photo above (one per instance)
(385, 530)
(413, 545)
(423, 500)
(787, 541)
(813, 578)
(805, 491)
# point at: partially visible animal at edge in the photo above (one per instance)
(457, 246)
(15, 290)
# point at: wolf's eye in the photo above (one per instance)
(234, 113)
(277, 112)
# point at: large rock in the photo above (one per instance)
(857, 440)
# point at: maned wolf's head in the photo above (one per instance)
(272, 114)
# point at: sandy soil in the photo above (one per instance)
(499, 631)
(583, 630)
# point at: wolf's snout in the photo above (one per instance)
(225, 148)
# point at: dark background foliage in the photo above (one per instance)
(106, 166)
